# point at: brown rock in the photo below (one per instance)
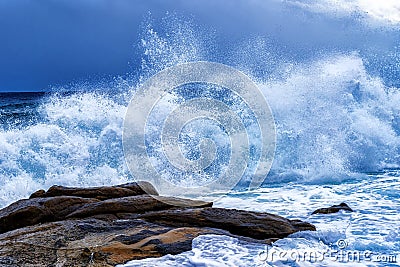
(93, 242)
(106, 226)
(133, 204)
(257, 225)
(39, 193)
(333, 209)
(101, 193)
(27, 212)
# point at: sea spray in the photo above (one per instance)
(334, 119)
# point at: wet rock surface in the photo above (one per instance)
(244, 223)
(333, 209)
(105, 226)
(101, 193)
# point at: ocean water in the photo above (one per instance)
(337, 116)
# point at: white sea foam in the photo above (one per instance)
(333, 120)
(373, 227)
(77, 144)
(333, 117)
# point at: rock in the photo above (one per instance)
(257, 225)
(93, 242)
(101, 193)
(59, 202)
(28, 212)
(333, 209)
(105, 226)
(32, 211)
(134, 204)
(39, 193)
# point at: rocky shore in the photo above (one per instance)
(110, 225)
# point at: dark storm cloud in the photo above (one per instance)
(46, 42)
(55, 42)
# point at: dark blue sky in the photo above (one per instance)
(47, 43)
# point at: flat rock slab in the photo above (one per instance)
(32, 211)
(28, 212)
(257, 225)
(101, 193)
(134, 204)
